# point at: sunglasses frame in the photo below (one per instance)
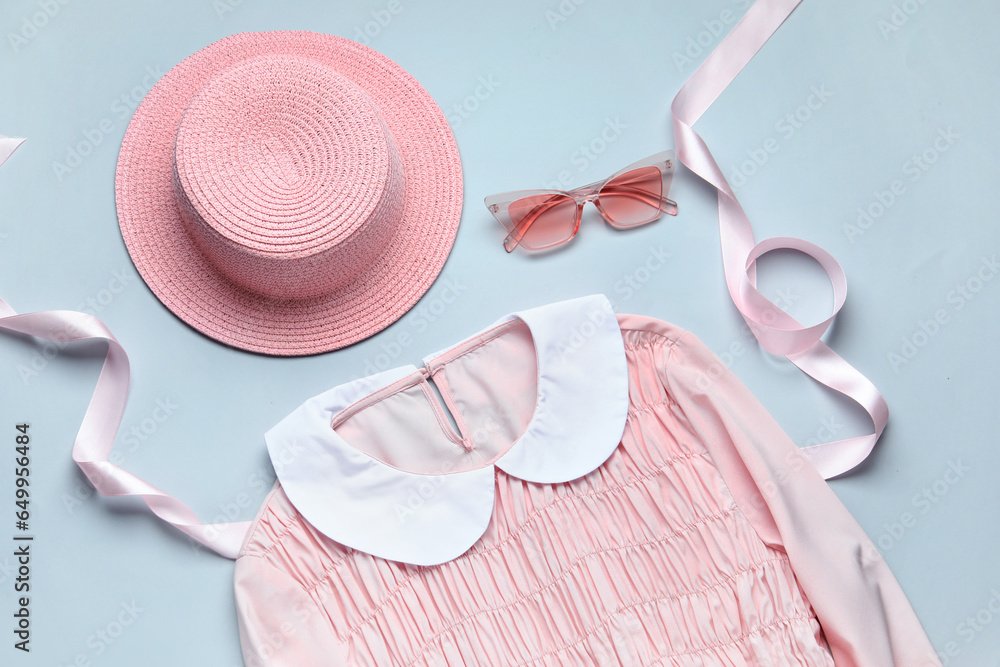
(499, 204)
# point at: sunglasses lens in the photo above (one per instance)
(543, 220)
(633, 198)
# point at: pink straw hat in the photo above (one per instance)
(288, 192)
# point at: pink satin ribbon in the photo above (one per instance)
(100, 423)
(776, 331)
(7, 146)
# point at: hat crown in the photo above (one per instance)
(287, 176)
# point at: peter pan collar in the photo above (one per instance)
(425, 519)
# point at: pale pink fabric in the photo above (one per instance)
(705, 539)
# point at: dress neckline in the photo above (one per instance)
(427, 518)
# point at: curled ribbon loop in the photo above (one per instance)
(777, 332)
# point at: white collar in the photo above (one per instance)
(427, 519)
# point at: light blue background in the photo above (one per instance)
(553, 88)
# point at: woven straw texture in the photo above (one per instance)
(288, 192)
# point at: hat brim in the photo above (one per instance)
(170, 262)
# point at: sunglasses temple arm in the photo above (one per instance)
(663, 203)
(512, 241)
(509, 243)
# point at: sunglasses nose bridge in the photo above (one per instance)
(585, 193)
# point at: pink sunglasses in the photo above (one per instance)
(540, 219)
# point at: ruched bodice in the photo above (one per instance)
(647, 560)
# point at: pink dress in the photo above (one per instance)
(686, 529)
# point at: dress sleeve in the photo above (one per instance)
(865, 616)
(280, 624)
